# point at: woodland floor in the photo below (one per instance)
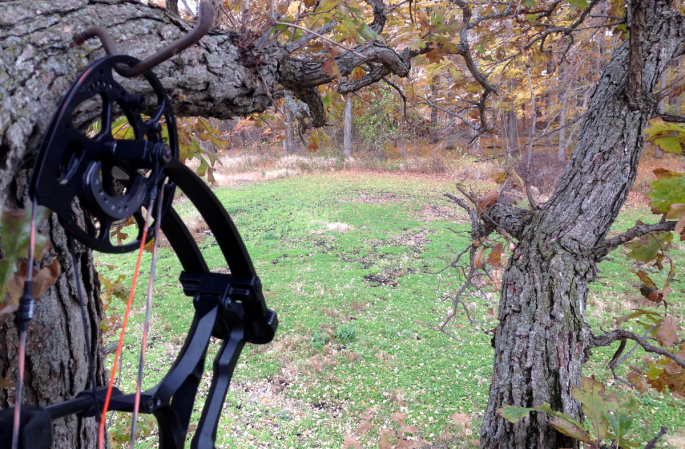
(348, 260)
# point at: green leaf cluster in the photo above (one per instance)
(668, 136)
(607, 415)
(668, 189)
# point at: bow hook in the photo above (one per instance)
(204, 23)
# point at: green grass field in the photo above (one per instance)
(348, 262)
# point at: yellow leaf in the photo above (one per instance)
(357, 73)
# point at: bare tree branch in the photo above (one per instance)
(452, 113)
(606, 246)
(304, 40)
(379, 16)
(608, 338)
(673, 118)
(320, 36)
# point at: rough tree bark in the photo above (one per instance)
(542, 336)
(172, 6)
(56, 358)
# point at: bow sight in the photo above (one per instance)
(74, 171)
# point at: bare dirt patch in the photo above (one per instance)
(339, 227)
(379, 279)
(372, 199)
(417, 239)
(387, 277)
(432, 212)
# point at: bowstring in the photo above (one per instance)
(101, 428)
(84, 322)
(23, 327)
(146, 327)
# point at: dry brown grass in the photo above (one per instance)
(339, 227)
(330, 312)
(356, 306)
(677, 440)
(467, 170)
(351, 356)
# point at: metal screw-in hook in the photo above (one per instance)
(204, 23)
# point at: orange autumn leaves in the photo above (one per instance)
(14, 234)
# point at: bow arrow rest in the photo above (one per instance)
(74, 170)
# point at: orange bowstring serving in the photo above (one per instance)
(101, 429)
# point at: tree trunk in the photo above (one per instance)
(563, 69)
(675, 100)
(503, 132)
(347, 130)
(523, 116)
(512, 121)
(548, 98)
(172, 6)
(602, 50)
(542, 336)
(56, 366)
(289, 142)
(403, 144)
(512, 132)
(434, 134)
(663, 81)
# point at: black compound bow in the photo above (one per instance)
(74, 170)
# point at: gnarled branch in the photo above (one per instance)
(379, 16)
(608, 245)
(597, 341)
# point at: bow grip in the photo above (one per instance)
(260, 322)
